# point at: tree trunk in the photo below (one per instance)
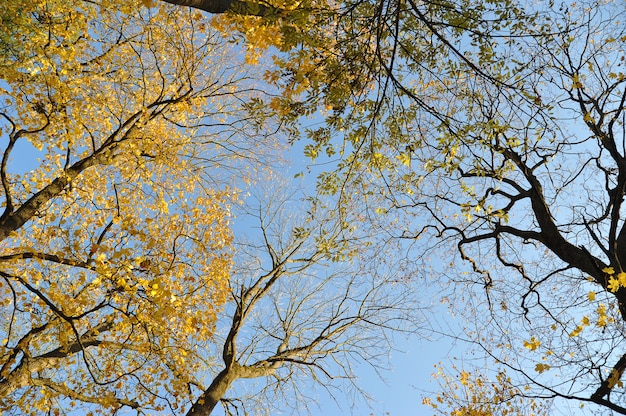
(207, 401)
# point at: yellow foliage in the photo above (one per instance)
(533, 344)
(613, 285)
(259, 35)
(132, 254)
(616, 281)
(603, 318)
(576, 82)
(576, 331)
(474, 394)
(614, 379)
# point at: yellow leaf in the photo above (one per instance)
(464, 378)
(404, 158)
(614, 379)
(576, 331)
(533, 344)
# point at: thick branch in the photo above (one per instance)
(552, 237)
(49, 257)
(608, 384)
(28, 209)
(20, 376)
(248, 8)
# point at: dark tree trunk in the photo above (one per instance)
(207, 401)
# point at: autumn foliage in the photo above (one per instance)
(481, 394)
(491, 131)
(115, 253)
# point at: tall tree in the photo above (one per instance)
(517, 159)
(116, 243)
(309, 301)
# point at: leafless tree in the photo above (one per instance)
(309, 302)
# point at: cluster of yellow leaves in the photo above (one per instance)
(602, 319)
(311, 67)
(473, 394)
(533, 344)
(616, 280)
(576, 82)
(259, 36)
(135, 252)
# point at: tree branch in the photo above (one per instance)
(247, 8)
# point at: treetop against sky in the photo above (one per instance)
(492, 131)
